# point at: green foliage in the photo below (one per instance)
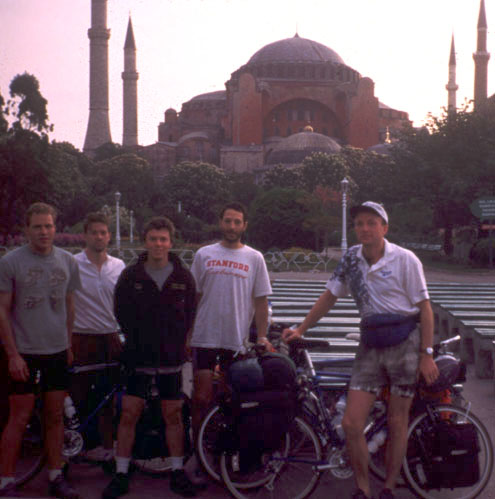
(23, 177)
(27, 104)
(201, 188)
(451, 164)
(480, 253)
(242, 187)
(108, 151)
(323, 169)
(276, 219)
(130, 175)
(281, 176)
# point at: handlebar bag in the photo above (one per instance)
(386, 330)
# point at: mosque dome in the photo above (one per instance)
(293, 149)
(297, 59)
(295, 49)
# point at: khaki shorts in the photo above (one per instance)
(396, 367)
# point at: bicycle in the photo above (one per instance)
(150, 451)
(418, 467)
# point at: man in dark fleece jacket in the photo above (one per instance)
(154, 305)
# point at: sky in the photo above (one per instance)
(189, 47)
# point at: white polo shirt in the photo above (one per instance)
(94, 301)
(394, 284)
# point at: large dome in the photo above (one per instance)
(295, 49)
(293, 149)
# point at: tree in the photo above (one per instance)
(130, 175)
(23, 177)
(282, 176)
(322, 209)
(27, 105)
(3, 122)
(69, 187)
(200, 188)
(242, 187)
(451, 164)
(324, 169)
(276, 219)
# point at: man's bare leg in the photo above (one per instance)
(398, 421)
(358, 406)
(20, 409)
(132, 407)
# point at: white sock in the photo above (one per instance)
(52, 474)
(5, 480)
(122, 464)
(176, 462)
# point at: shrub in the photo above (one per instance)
(481, 250)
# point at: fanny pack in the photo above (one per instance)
(387, 330)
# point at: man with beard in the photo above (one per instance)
(95, 340)
(232, 285)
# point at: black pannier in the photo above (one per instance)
(451, 458)
(261, 418)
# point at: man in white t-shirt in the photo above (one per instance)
(386, 281)
(95, 340)
(232, 285)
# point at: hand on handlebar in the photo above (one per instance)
(290, 334)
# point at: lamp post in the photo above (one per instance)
(117, 221)
(344, 183)
(131, 222)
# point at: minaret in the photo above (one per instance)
(130, 77)
(98, 132)
(481, 57)
(451, 84)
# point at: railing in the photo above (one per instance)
(276, 261)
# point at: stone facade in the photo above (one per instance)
(283, 88)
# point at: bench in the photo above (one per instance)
(482, 346)
(466, 329)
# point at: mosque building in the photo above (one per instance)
(292, 97)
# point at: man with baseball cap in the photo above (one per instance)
(388, 285)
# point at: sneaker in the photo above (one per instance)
(386, 494)
(180, 484)
(61, 488)
(117, 487)
(359, 494)
(10, 490)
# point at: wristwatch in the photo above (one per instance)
(427, 350)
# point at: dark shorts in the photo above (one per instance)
(208, 358)
(169, 385)
(53, 372)
(396, 367)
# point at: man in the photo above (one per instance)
(95, 339)
(37, 283)
(383, 279)
(154, 305)
(232, 284)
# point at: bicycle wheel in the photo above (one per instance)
(416, 470)
(208, 441)
(286, 473)
(31, 456)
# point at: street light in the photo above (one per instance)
(344, 183)
(117, 221)
(131, 221)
